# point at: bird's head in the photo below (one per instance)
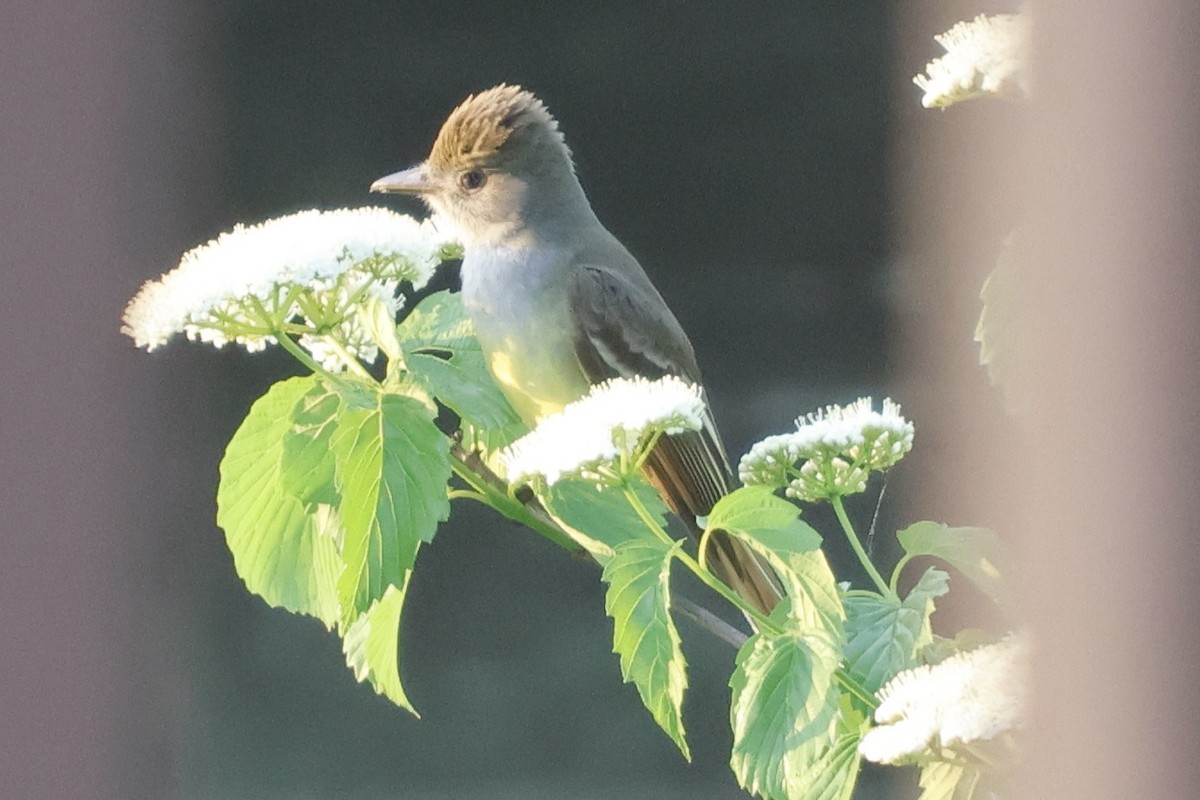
(499, 167)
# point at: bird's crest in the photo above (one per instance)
(482, 124)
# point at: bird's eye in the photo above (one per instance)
(472, 180)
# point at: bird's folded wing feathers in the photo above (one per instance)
(624, 330)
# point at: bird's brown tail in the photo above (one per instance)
(691, 472)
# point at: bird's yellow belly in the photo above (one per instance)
(537, 378)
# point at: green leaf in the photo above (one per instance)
(835, 773)
(285, 555)
(601, 519)
(783, 711)
(444, 357)
(371, 645)
(884, 636)
(771, 527)
(644, 636)
(307, 465)
(393, 465)
(755, 512)
(972, 551)
(943, 781)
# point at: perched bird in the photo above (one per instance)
(558, 303)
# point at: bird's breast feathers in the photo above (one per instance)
(518, 300)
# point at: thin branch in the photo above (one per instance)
(709, 621)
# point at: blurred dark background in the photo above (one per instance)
(741, 151)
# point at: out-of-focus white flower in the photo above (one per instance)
(988, 55)
(839, 446)
(313, 266)
(971, 696)
(600, 436)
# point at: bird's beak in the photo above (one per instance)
(414, 180)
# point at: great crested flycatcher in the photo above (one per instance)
(558, 303)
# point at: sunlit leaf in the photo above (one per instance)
(771, 527)
(307, 465)
(601, 519)
(444, 357)
(638, 600)
(783, 710)
(393, 465)
(285, 554)
(972, 551)
(371, 645)
(884, 636)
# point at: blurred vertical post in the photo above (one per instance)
(1110, 526)
(99, 110)
(1096, 485)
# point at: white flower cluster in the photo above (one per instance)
(312, 265)
(839, 446)
(600, 436)
(971, 696)
(989, 55)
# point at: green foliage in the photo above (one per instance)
(638, 600)
(835, 774)
(334, 482)
(371, 645)
(972, 551)
(281, 551)
(772, 528)
(600, 520)
(783, 710)
(306, 465)
(392, 469)
(884, 636)
(443, 357)
(327, 492)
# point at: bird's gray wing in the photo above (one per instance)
(623, 328)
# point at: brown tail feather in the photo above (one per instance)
(691, 473)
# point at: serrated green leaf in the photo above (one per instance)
(638, 599)
(756, 512)
(771, 527)
(601, 519)
(284, 554)
(943, 781)
(371, 645)
(307, 464)
(783, 710)
(835, 774)
(393, 465)
(972, 551)
(884, 636)
(444, 357)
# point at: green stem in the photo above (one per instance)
(761, 621)
(856, 546)
(490, 494)
(645, 516)
(695, 566)
(303, 357)
(899, 567)
(855, 688)
(352, 362)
